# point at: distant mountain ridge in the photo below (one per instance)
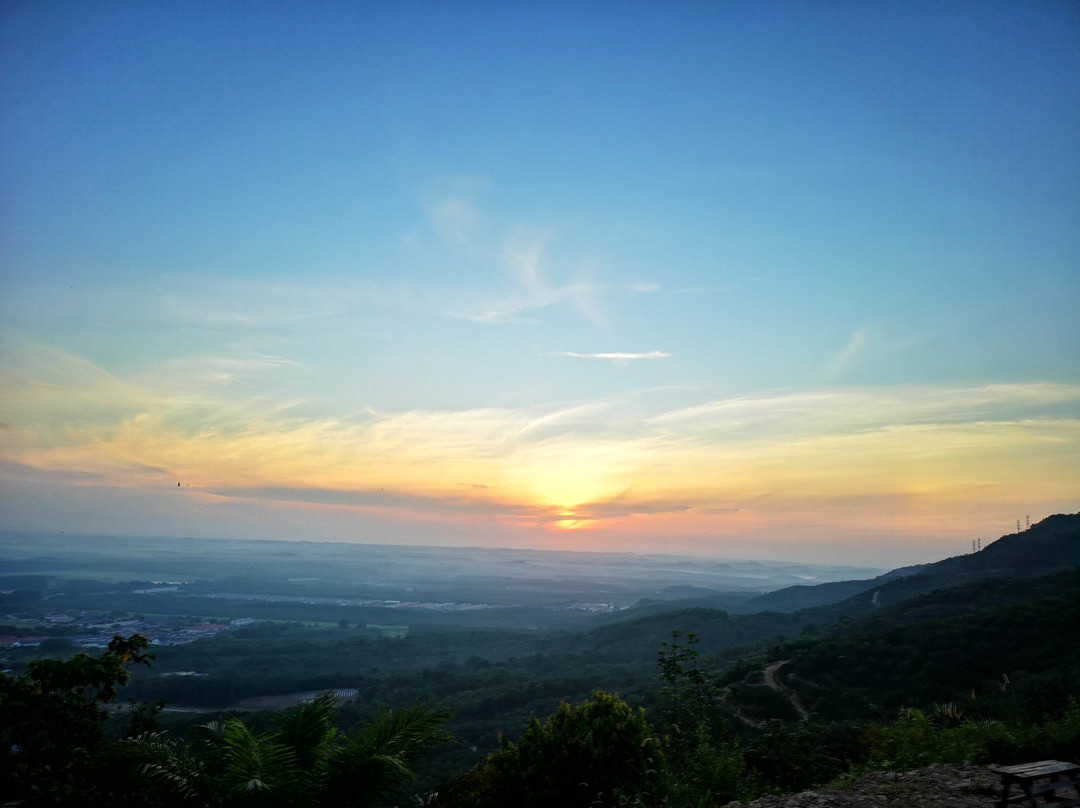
(1045, 547)
(1048, 547)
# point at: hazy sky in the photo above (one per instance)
(766, 279)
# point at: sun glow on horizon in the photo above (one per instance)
(719, 467)
(524, 309)
(568, 524)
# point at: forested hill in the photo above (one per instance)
(1047, 546)
(991, 645)
(974, 581)
(979, 650)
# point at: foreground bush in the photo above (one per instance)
(598, 753)
(945, 735)
(55, 752)
(52, 722)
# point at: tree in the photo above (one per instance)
(302, 761)
(707, 766)
(54, 750)
(52, 718)
(599, 753)
(375, 761)
(694, 699)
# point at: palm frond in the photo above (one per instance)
(256, 763)
(307, 728)
(405, 730)
(210, 734)
(375, 761)
(169, 763)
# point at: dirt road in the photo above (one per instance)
(775, 684)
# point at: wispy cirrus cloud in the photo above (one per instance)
(520, 308)
(784, 457)
(453, 209)
(523, 262)
(851, 352)
(530, 280)
(456, 217)
(618, 357)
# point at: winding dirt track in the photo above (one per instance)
(775, 684)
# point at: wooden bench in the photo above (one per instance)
(1053, 774)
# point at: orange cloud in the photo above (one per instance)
(887, 456)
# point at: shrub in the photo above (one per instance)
(599, 753)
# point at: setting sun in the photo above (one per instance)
(540, 283)
(462, 354)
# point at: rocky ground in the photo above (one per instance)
(934, 787)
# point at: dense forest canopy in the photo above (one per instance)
(963, 660)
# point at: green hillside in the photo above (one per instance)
(971, 658)
(1049, 545)
(998, 645)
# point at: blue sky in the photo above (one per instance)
(771, 279)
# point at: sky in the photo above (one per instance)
(767, 279)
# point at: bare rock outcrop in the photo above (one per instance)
(932, 787)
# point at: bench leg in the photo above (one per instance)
(1030, 796)
(1006, 787)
